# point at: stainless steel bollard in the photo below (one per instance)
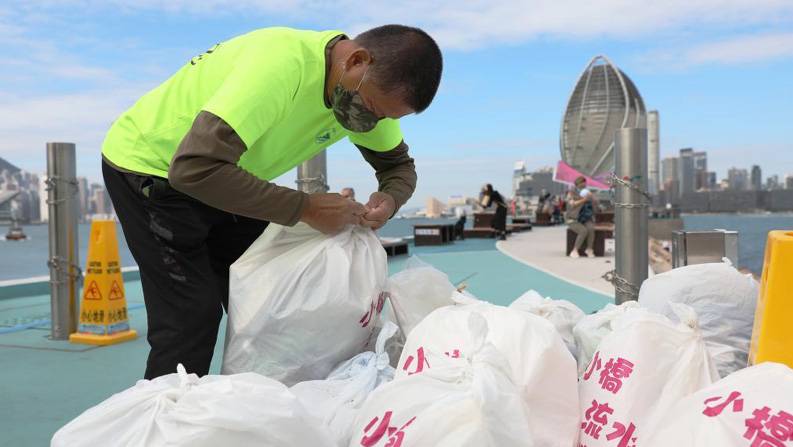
(630, 216)
(312, 175)
(64, 245)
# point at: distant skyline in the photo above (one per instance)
(718, 72)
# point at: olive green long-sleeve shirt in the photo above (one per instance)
(205, 167)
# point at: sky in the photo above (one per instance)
(720, 73)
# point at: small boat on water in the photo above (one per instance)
(15, 232)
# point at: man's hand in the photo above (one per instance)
(379, 209)
(330, 213)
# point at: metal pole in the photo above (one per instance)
(631, 208)
(312, 175)
(64, 247)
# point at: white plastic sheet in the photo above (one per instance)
(182, 410)
(300, 302)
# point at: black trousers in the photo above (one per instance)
(184, 249)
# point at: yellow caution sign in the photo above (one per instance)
(103, 311)
(772, 336)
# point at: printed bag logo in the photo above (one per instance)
(324, 136)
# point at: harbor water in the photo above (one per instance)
(24, 259)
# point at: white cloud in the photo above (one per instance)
(466, 24)
(742, 49)
(27, 123)
(735, 50)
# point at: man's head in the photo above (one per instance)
(580, 182)
(348, 193)
(395, 69)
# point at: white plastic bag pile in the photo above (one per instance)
(303, 306)
(563, 314)
(336, 400)
(724, 300)
(182, 410)
(540, 364)
(645, 365)
(590, 330)
(418, 290)
(469, 400)
(751, 407)
(300, 302)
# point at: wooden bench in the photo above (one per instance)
(518, 227)
(483, 220)
(602, 232)
(394, 247)
(543, 220)
(433, 234)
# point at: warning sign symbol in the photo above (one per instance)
(92, 292)
(115, 292)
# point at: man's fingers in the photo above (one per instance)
(357, 208)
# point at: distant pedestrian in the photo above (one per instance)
(348, 193)
(459, 227)
(490, 197)
(580, 217)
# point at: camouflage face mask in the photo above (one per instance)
(349, 109)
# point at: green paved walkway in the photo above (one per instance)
(44, 384)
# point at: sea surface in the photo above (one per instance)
(23, 259)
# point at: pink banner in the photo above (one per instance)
(564, 173)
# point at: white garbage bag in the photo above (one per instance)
(540, 364)
(751, 407)
(336, 400)
(642, 368)
(300, 302)
(182, 410)
(468, 401)
(563, 314)
(591, 329)
(418, 290)
(724, 300)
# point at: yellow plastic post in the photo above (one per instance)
(103, 311)
(772, 336)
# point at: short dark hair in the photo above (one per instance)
(407, 59)
(580, 179)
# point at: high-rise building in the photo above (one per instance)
(772, 183)
(738, 179)
(686, 171)
(712, 182)
(83, 196)
(757, 178)
(653, 152)
(670, 177)
(518, 171)
(434, 207)
(789, 181)
(700, 170)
